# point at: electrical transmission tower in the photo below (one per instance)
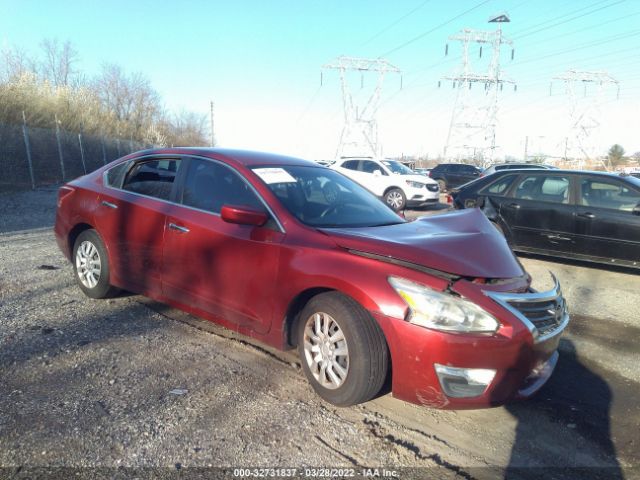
(360, 131)
(472, 131)
(582, 140)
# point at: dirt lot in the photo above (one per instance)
(130, 383)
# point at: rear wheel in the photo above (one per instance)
(91, 265)
(395, 198)
(342, 350)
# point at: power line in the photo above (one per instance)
(533, 27)
(424, 34)
(570, 19)
(587, 45)
(393, 24)
(590, 27)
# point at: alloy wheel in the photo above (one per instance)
(394, 199)
(88, 264)
(326, 351)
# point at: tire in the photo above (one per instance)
(358, 374)
(91, 266)
(396, 199)
(443, 185)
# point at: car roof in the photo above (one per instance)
(247, 158)
(556, 171)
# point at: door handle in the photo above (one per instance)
(514, 205)
(586, 215)
(179, 228)
(553, 236)
(109, 204)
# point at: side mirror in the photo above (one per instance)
(377, 173)
(243, 216)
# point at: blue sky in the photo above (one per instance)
(260, 62)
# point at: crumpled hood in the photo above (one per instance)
(462, 242)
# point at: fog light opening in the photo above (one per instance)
(464, 382)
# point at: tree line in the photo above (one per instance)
(48, 90)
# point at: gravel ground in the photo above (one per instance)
(128, 382)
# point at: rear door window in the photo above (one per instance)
(351, 164)
(543, 188)
(154, 178)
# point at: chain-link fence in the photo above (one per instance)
(30, 157)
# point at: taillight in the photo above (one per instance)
(430, 174)
(64, 192)
(449, 198)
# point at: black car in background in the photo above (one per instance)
(449, 175)
(592, 216)
(514, 166)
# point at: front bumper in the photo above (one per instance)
(523, 360)
(421, 196)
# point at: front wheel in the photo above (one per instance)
(342, 350)
(91, 265)
(396, 199)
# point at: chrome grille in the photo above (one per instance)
(544, 313)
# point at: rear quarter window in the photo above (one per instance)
(115, 175)
(498, 187)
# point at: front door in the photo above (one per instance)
(606, 224)
(225, 269)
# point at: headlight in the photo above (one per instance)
(442, 311)
(413, 184)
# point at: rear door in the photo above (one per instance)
(225, 269)
(606, 225)
(539, 212)
(131, 218)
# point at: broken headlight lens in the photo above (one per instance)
(442, 311)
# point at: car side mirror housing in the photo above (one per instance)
(377, 173)
(243, 215)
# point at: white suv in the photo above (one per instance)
(396, 184)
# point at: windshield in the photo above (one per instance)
(397, 167)
(323, 198)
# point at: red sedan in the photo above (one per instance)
(297, 255)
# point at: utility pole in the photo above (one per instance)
(474, 117)
(359, 134)
(585, 111)
(213, 141)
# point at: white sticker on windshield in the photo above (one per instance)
(274, 175)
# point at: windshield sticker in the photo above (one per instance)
(274, 175)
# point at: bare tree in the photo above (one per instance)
(58, 65)
(130, 98)
(187, 129)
